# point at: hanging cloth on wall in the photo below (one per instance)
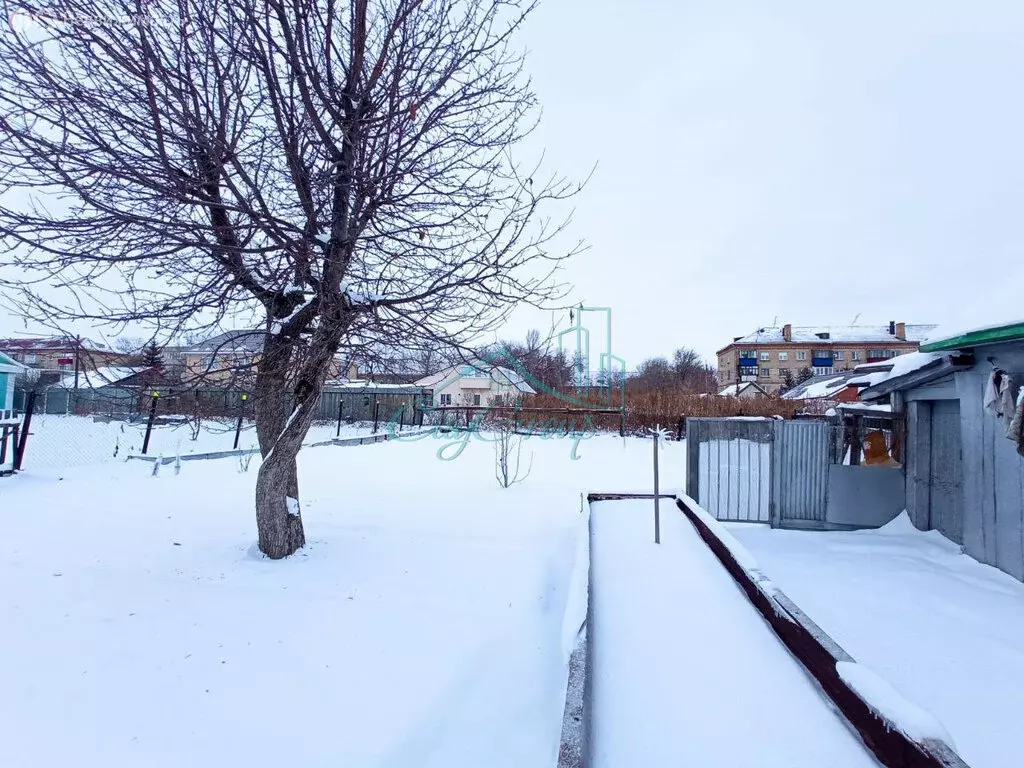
(1015, 431)
(1007, 400)
(992, 391)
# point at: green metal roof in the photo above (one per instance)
(993, 335)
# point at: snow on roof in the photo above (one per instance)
(365, 384)
(904, 364)
(882, 365)
(813, 334)
(513, 377)
(516, 380)
(732, 390)
(820, 387)
(52, 343)
(901, 365)
(868, 379)
(101, 377)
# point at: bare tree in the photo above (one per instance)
(508, 453)
(692, 372)
(326, 171)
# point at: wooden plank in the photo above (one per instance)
(818, 653)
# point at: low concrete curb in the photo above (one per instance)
(819, 654)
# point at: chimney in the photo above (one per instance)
(901, 331)
(787, 332)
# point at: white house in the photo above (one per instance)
(475, 384)
(744, 389)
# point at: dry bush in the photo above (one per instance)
(648, 408)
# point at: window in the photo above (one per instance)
(823, 370)
(783, 356)
(766, 371)
(801, 355)
(855, 355)
(30, 358)
(476, 399)
(446, 399)
(766, 355)
(838, 355)
(880, 354)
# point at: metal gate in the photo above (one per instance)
(729, 467)
(760, 470)
(800, 471)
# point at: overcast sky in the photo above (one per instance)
(808, 161)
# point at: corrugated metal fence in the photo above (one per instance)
(760, 470)
(802, 451)
(729, 472)
(798, 474)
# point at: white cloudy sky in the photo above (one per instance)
(807, 160)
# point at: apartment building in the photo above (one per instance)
(771, 356)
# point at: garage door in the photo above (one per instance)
(946, 494)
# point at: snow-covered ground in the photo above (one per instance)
(74, 441)
(685, 671)
(944, 630)
(423, 625)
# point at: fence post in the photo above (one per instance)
(149, 424)
(401, 417)
(341, 404)
(30, 406)
(376, 415)
(657, 508)
(238, 426)
(679, 430)
(622, 423)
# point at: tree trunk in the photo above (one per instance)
(278, 516)
(281, 430)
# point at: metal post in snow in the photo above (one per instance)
(149, 424)
(30, 406)
(238, 426)
(376, 415)
(657, 508)
(341, 404)
(401, 417)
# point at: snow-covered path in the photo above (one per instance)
(685, 672)
(422, 626)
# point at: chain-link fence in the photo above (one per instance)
(72, 428)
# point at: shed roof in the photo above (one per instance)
(823, 386)
(972, 337)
